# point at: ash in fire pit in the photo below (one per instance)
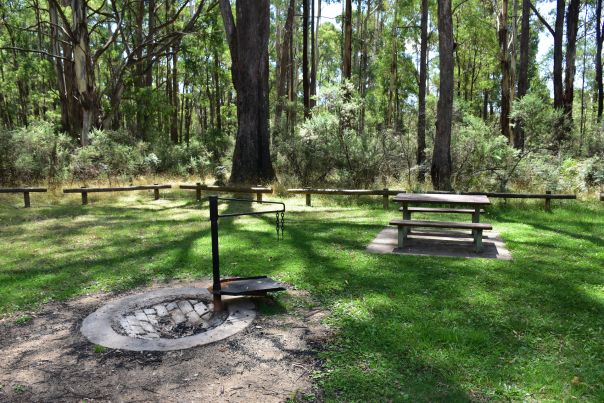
(170, 320)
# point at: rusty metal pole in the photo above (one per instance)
(218, 306)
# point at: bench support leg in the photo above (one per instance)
(402, 235)
(477, 240)
(26, 201)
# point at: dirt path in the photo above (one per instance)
(47, 359)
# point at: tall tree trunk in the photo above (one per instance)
(421, 115)
(505, 63)
(572, 27)
(347, 43)
(285, 64)
(248, 43)
(598, 61)
(84, 70)
(441, 160)
(218, 101)
(174, 101)
(523, 79)
(558, 55)
(315, 54)
(305, 77)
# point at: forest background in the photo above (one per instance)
(465, 95)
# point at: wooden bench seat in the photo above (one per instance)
(477, 228)
(440, 210)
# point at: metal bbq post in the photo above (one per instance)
(257, 285)
(215, 259)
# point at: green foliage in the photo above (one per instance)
(539, 121)
(482, 158)
(33, 154)
(331, 148)
(111, 155)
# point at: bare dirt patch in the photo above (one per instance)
(47, 359)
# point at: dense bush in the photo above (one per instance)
(329, 149)
(33, 154)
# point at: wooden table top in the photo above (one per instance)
(442, 198)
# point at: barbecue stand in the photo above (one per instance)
(259, 285)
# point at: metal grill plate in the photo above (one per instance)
(249, 286)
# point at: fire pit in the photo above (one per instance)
(166, 319)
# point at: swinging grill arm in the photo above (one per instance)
(282, 210)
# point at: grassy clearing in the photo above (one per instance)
(409, 328)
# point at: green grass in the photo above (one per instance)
(408, 328)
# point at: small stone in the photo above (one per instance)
(193, 301)
(193, 317)
(125, 325)
(171, 306)
(184, 306)
(140, 315)
(161, 310)
(201, 308)
(148, 327)
(149, 311)
(153, 319)
(178, 316)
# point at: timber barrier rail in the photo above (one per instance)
(25, 191)
(85, 190)
(198, 187)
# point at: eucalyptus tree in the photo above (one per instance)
(248, 37)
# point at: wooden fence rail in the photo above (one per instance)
(85, 190)
(548, 196)
(354, 192)
(25, 191)
(198, 187)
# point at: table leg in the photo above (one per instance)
(475, 218)
(406, 216)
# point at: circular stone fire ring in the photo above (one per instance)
(165, 320)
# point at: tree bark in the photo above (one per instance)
(558, 55)
(441, 160)
(598, 61)
(305, 76)
(421, 115)
(506, 79)
(84, 70)
(285, 65)
(248, 43)
(347, 50)
(572, 27)
(523, 79)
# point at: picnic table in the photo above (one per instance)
(474, 202)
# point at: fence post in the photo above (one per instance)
(84, 197)
(26, 199)
(308, 199)
(548, 206)
(259, 196)
(385, 199)
(156, 192)
(198, 191)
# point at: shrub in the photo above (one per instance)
(33, 154)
